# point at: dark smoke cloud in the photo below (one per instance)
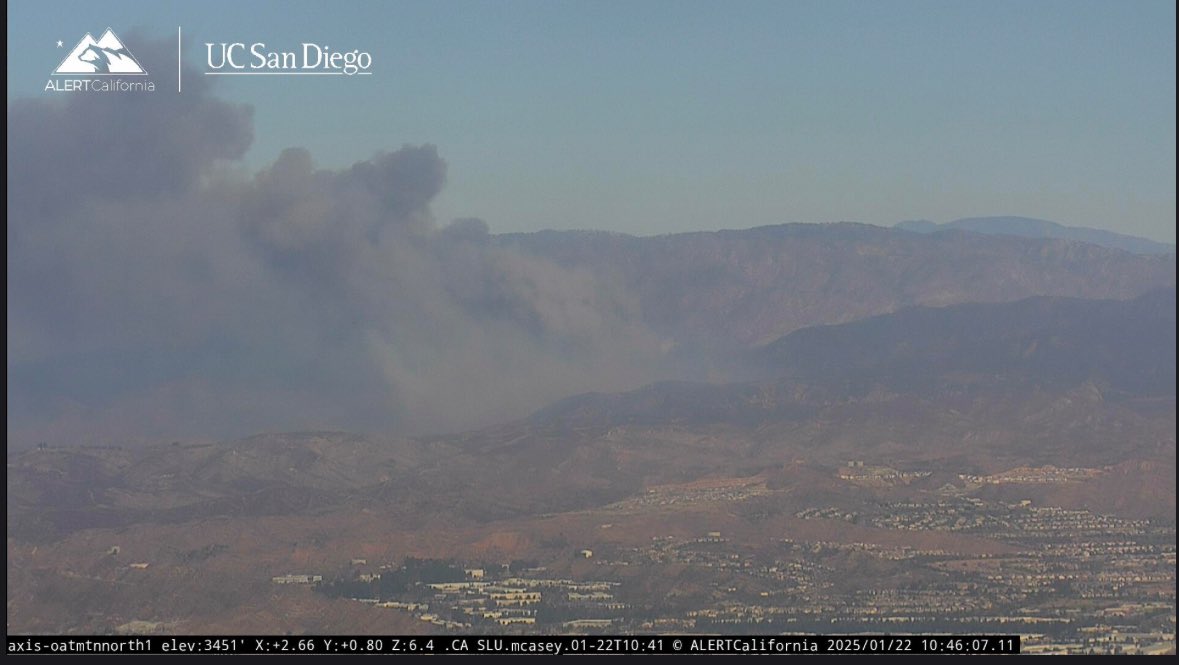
(156, 292)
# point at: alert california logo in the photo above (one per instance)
(99, 65)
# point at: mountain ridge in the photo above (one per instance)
(1028, 227)
(727, 289)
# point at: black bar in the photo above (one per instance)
(491, 644)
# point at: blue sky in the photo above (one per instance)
(654, 117)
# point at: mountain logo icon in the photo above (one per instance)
(106, 56)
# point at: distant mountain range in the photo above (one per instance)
(1109, 350)
(732, 289)
(686, 306)
(1026, 227)
(1126, 346)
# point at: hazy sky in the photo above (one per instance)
(653, 117)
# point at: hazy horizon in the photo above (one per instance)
(657, 117)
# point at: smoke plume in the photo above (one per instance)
(155, 290)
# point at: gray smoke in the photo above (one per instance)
(156, 291)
